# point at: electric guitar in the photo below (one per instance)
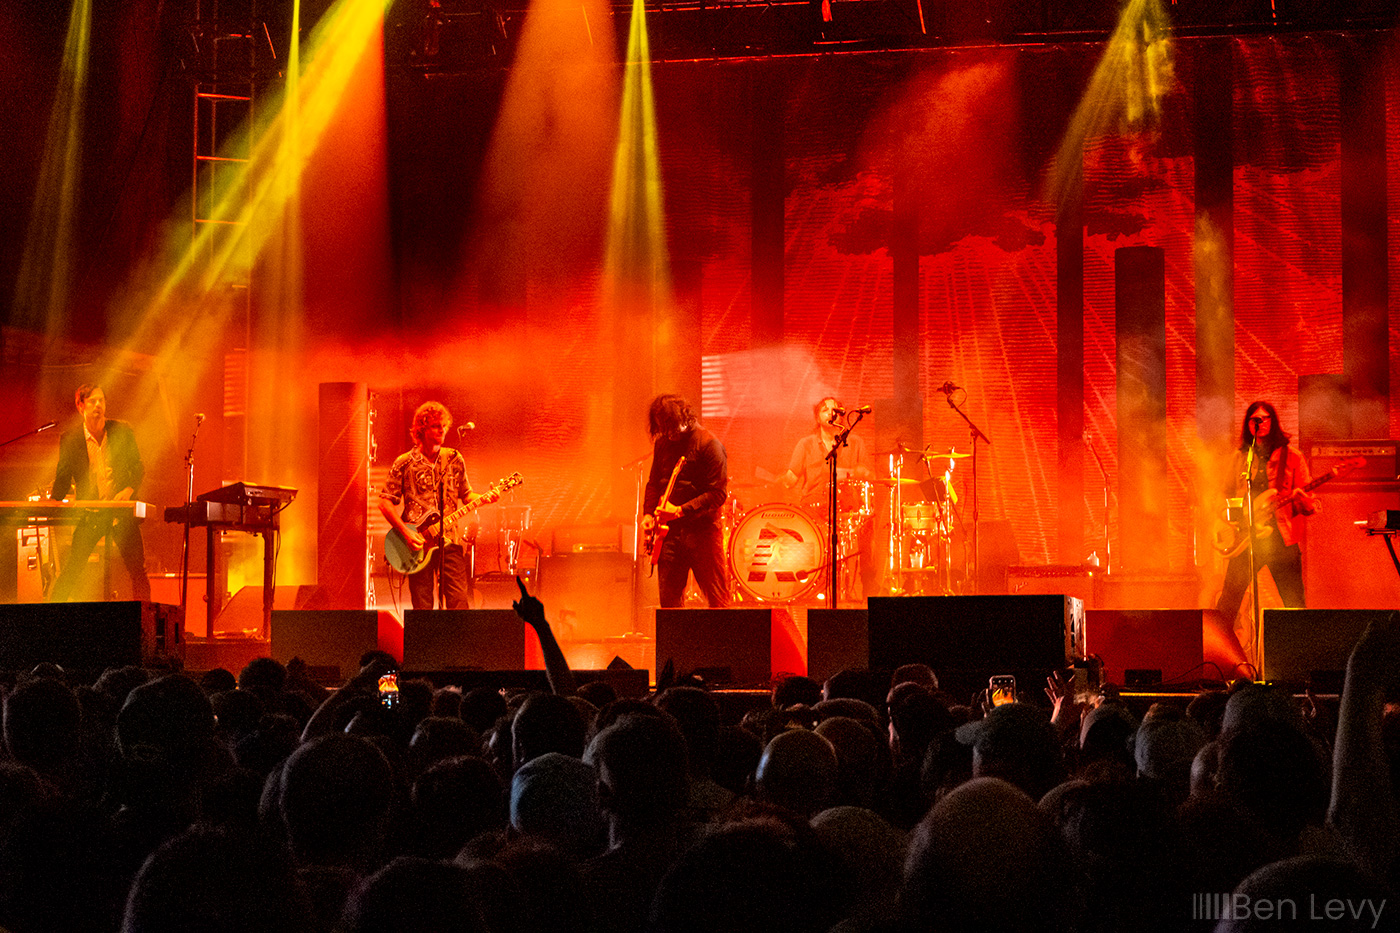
(657, 534)
(438, 530)
(1232, 538)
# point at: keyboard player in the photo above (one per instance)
(100, 458)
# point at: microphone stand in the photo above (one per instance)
(39, 430)
(1107, 542)
(831, 502)
(1257, 612)
(442, 527)
(185, 545)
(976, 433)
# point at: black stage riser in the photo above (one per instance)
(1311, 646)
(89, 637)
(332, 641)
(734, 645)
(463, 639)
(967, 639)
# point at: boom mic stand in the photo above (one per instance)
(976, 434)
(833, 537)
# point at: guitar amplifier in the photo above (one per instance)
(1380, 455)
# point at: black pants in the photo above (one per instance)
(456, 580)
(126, 535)
(1285, 565)
(693, 548)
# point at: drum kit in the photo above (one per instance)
(778, 551)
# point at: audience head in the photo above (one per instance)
(697, 715)
(920, 674)
(641, 770)
(545, 723)
(798, 771)
(1165, 748)
(754, 876)
(554, 797)
(985, 858)
(336, 801)
(1017, 743)
(42, 721)
(415, 894)
(862, 764)
(481, 707)
(794, 690)
(454, 801)
(263, 672)
(216, 881)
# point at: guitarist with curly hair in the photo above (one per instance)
(432, 479)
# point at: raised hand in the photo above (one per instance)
(528, 607)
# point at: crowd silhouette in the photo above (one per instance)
(150, 802)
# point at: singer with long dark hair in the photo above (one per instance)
(1279, 466)
(694, 538)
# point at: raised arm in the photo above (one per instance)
(1363, 807)
(556, 666)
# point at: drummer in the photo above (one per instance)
(808, 474)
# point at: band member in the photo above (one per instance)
(809, 473)
(695, 538)
(431, 478)
(102, 461)
(807, 467)
(1278, 466)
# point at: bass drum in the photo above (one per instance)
(777, 552)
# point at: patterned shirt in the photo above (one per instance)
(413, 483)
(99, 465)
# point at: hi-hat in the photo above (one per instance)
(896, 481)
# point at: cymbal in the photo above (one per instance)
(893, 481)
(945, 455)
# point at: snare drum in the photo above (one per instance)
(777, 552)
(922, 517)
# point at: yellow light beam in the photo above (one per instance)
(637, 254)
(46, 265)
(1125, 93)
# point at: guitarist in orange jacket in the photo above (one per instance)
(694, 539)
(411, 493)
(1279, 467)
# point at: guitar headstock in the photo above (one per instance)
(508, 483)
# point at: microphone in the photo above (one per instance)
(837, 412)
(45, 427)
(466, 426)
(198, 418)
(948, 388)
(863, 410)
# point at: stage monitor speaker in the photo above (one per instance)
(734, 645)
(331, 640)
(1311, 646)
(1169, 641)
(1343, 567)
(966, 639)
(88, 637)
(463, 639)
(837, 640)
(589, 594)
